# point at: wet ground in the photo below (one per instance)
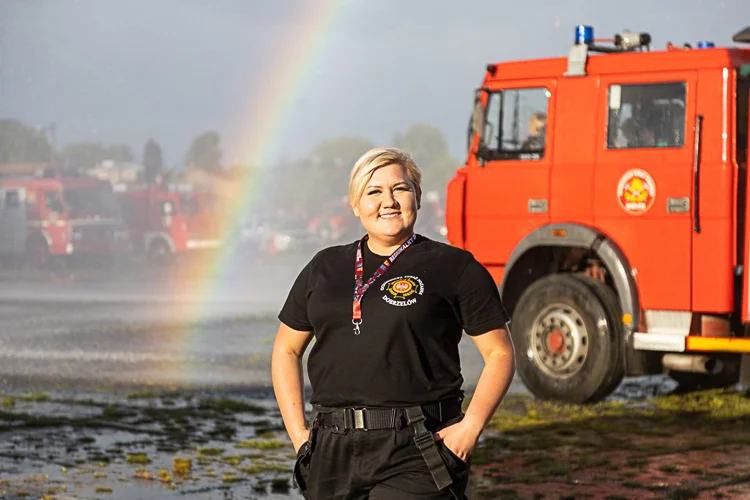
(134, 382)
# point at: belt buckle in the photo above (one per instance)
(359, 418)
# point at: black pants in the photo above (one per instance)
(375, 464)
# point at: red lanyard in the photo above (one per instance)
(360, 288)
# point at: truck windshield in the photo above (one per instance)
(92, 202)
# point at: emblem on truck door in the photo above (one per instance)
(636, 191)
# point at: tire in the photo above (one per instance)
(568, 339)
(614, 312)
(159, 252)
(37, 255)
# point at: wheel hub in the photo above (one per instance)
(558, 341)
(555, 342)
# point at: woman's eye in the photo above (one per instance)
(373, 192)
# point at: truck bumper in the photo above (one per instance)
(202, 244)
(681, 343)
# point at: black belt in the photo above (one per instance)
(384, 418)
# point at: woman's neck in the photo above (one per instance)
(387, 247)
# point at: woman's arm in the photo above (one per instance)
(496, 348)
(286, 375)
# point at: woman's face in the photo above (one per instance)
(388, 206)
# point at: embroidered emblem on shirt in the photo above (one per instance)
(402, 291)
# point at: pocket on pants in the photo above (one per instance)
(451, 459)
(302, 466)
(457, 468)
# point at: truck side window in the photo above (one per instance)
(646, 116)
(516, 124)
(53, 202)
(743, 96)
(12, 199)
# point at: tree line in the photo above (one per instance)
(324, 170)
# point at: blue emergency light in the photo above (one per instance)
(706, 45)
(584, 34)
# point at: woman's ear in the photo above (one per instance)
(356, 211)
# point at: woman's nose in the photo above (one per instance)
(388, 199)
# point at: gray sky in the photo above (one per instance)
(122, 71)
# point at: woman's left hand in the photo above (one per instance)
(460, 438)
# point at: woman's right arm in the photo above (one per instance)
(288, 384)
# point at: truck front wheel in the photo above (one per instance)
(567, 334)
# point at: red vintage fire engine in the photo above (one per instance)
(607, 193)
(42, 218)
(166, 221)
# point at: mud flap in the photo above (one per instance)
(745, 370)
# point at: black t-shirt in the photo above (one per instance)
(412, 322)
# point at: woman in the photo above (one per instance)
(385, 370)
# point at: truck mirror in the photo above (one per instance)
(477, 117)
(476, 125)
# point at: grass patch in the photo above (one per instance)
(137, 458)
(210, 452)
(227, 405)
(264, 467)
(35, 397)
(233, 460)
(279, 485)
(261, 444)
(669, 468)
(230, 477)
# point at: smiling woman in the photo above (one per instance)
(387, 361)
(385, 194)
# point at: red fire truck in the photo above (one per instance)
(45, 218)
(166, 221)
(607, 193)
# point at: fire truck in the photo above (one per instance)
(45, 218)
(607, 194)
(169, 220)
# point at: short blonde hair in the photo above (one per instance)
(377, 158)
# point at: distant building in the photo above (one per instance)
(118, 172)
(26, 170)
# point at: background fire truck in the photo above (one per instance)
(165, 221)
(42, 218)
(608, 195)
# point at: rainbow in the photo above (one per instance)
(266, 118)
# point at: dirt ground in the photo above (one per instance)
(692, 446)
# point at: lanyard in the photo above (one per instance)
(360, 288)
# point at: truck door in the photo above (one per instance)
(644, 180)
(507, 188)
(12, 220)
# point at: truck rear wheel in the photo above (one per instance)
(37, 255)
(159, 252)
(567, 334)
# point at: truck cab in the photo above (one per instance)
(171, 220)
(606, 192)
(46, 218)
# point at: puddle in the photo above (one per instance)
(143, 445)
